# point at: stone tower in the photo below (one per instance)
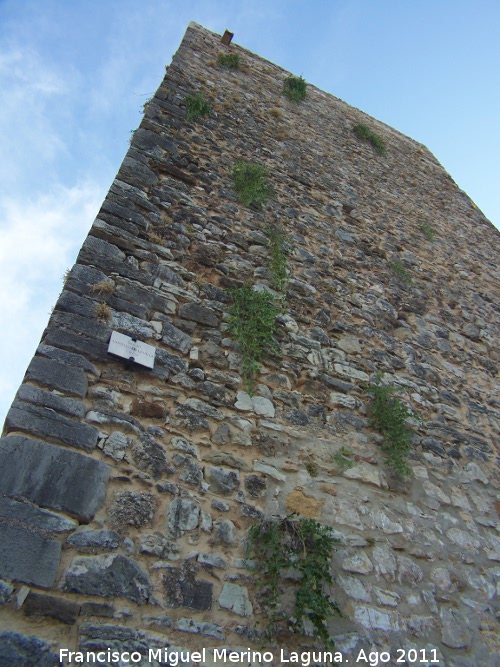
(139, 450)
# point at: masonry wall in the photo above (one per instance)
(126, 494)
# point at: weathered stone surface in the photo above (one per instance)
(182, 515)
(358, 563)
(229, 460)
(223, 481)
(25, 651)
(116, 445)
(375, 619)
(454, 633)
(224, 532)
(131, 508)
(235, 598)
(66, 406)
(52, 477)
(5, 591)
(108, 576)
(46, 423)
(255, 485)
(158, 545)
(210, 560)
(176, 338)
(68, 358)
(94, 539)
(149, 455)
(200, 314)
(57, 375)
(258, 404)
(23, 512)
(28, 555)
(367, 473)
(37, 604)
(199, 628)
(182, 589)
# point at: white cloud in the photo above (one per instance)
(40, 240)
(29, 128)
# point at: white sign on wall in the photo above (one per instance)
(133, 350)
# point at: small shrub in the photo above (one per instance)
(251, 183)
(252, 324)
(428, 231)
(103, 287)
(312, 468)
(295, 88)
(154, 237)
(389, 415)
(343, 458)
(229, 60)
(278, 545)
(276, 113)
(278, 255)
(102, 312)
(402, 273)
(197, 105)
(366, 134)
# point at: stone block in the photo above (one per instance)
(52, 477)
(28, 555)
(18, 650)
(174, 337)
(182, 515)
(69, 358)
(94, 539)
(46, 423)
(38, 604)
(108, 576)
(182, 589)
(26, 513)
(223, 481)
(57, 375)
(5, 591)
(199, 314)
(235, 599)
(66, 406)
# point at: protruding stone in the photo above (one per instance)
(108, 576)
(26, 651)
(23, 512)
(258, 404)
(223, 481)
(56, 375)
(182, 515)
(94, 539)
(77, 482)
(358, 563)
(235, 598)
(38, 604)
(28, 555)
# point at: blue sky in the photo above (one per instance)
(74, 75)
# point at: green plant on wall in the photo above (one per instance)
(295, 88)
(402, 273)
(229, 60)
(278, 546)
(389, 415)
(251, 182)
(366, 134)
(252, 323)
(197, 105)
(278, 256)
(428, 231)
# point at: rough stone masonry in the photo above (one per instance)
(126, 494)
